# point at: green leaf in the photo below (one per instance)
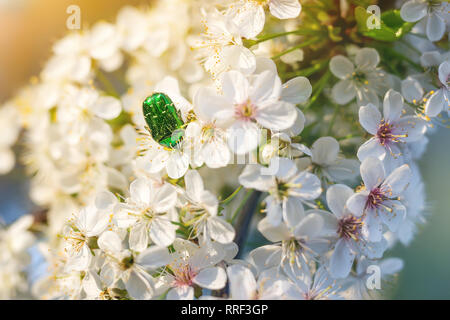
(392, 26)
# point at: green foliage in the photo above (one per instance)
(392, 26)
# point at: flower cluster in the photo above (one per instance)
(317, 119)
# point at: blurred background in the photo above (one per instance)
(28, 28)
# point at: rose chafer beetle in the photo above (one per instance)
(163, 119)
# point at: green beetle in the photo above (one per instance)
(164, 121)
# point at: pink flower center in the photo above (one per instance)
(245, 111)
(386, 134)
(184, 275)
(349, 228)
(376, 198)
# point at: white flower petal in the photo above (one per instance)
(243, 137)
(103, 41)
(412, 90)
(276, 116)
(356, 204)
(430, 59)
(337, 196)
(341, 260)
(372, 172)
(249, 17)
(138, 238)
(105, 200)
(375, 250)
(107, 108)
(285, 9)
(343, 170)
(310, 186)
(133, 23)
(444, 73)
(413, 127)
(220, 230)
(392, 106)
(435, 27)
(435, 104)
(341, 67)
(235, 86)
(157, 41)
(239, 58)
(162, 231)
(216, 154)
(371, 148)
(398, 180)
(140, 191)
(194, 184)
(242, 282)
(297, 127)
(265, 86)
(110, 241)
(265, 257)
(325, 151)
(367, 58)
(372, 228)
(296, 90)
(394, 217)
(177, 164)
(344, 91)
(209, 202)
(283, 168)
(80, 261)
(251, 178)
(109, 64)
(154, 257)
(208, 105)
(273, 233)
(213, 278)
(309, 227)
(181, 293)
(165, 198)
(391, 266)
(138, 286)
(92, 285)
(293, 212)
(263, 64)
(413, 11)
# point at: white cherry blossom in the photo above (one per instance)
(193, 265)
(439, 100)
(298, 243)
(246, 105)
(347, 227)
(433, 11)
(249, 15)
(220, 48)
(90, 222)
(244, 286)
(148, 212)
(133, 268)
(378, 201)
(357, 288)
(362, 79)
(389, 130)
(202, 211)
(325, 158)
(288, 189)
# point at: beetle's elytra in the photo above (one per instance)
(163, 119)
